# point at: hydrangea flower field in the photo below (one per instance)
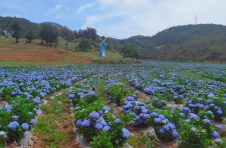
(152, 104)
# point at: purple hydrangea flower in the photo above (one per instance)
(71, 96)
(161, 131)
(175, 134)
(15, 117)
(219, 112)
(154, 114)
(182, 115)
(106, 108)
(85, 123)
(107, 128)
(91, 93)
(125, 133)
(37, 100)
(117, 121)
(130, 98)
(214, 134)
(13, 125)
(187, 120)
(218, 126)
(94, 115)
(217, 140)
(193, 116)
(98, 126)
(25, 126)
(157, 120)
(206, 121)
(166, 127)
(8, 108)
(33, 121)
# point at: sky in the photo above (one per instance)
(118, 18)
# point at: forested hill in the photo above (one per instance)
(189, 42)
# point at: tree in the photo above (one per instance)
(68, 36)
(90, 33)
(30, 36)
(131, 51)
(16, 28)
(49, 34)
(85, 44)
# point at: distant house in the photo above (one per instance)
(8, 32)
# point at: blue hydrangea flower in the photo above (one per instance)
(37, 100)
(130, 98)
(33, 121)
(25, 126)
(125, 133)
(206, 121)
(71, 96)
(161, 131)
(98, 126)
(193, 116)
(171, 125)
(8, 108)
(218, 126)
(157, 120)
(217, 140)
(94, 115)
(175, 133)
(219, 112)
(106, 108)
(154, 114)
(107, 128)
(91, 93)
(78, 122)
(166, 127)
(13, 125)
(117, 121)
(15, 117)
(214, 134)
(182, 115)
(85, 123)
(187, 120)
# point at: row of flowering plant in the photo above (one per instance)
(94, 120)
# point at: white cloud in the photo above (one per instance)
(58, 7)
(84, 7)
(148, 17)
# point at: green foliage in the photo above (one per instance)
(131, 51)
(30, 36)
(189, 42)
(194, 137)
(49, 33)
(16, 28)
(85, 45)
(117, 93)
(101, 141)
(89, 33)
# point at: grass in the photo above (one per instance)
(47, 126)
(194, 75)
(33, 54)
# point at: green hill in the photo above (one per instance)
(202, 42)
(189, 42)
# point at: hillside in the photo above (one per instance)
(23, 54)
(189, 42)
(202, 42)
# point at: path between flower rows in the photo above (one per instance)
(55, 126)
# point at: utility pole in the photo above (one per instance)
(196, 19)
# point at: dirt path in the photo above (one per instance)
(55, 126)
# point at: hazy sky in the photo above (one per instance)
(118, 18)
